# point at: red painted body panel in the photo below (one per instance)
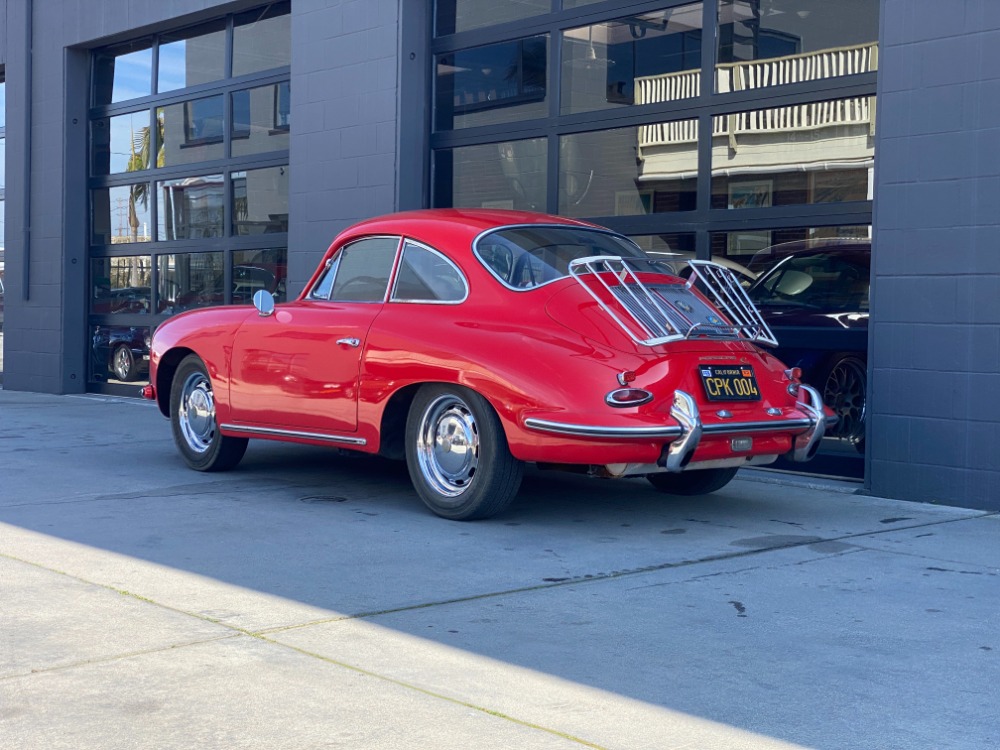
(547, 353)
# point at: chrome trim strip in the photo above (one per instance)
(667, 431)
(597, 431)
(775, 426)
(293, 433)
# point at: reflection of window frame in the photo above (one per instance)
(282, 107)
(522, 92)
(750, 193)
(190, 117)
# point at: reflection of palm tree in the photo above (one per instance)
(140, 160)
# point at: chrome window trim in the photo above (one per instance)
(335, 260)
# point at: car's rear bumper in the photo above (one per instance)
(807, 428)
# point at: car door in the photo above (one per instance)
(298, 369)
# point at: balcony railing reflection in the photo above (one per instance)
(741, 76)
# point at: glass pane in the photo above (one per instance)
(771, 42)
(3, 166)
(820, 152)
(193, 56)
(190, 208)
(260, 269)
(121, 143)
(363, 270)
(119, 354)
(260, 201)
(493, 84)
(3, 104)
(652, 57)
(452, 16)
(123, 72)
(511, 174)
(629, 171)
(427, 276)
(812, 289)
(190, 131)
(260, 119)
(120, 214)
(120, 285)
(189, 280)
(262, 39)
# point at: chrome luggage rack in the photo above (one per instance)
(654, 314)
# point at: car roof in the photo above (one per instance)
(461, 225)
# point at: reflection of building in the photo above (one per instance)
(813, 137)
(713, 128)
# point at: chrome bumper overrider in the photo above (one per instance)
(687, 433)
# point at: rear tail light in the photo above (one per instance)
(794, 374)
(622, 397)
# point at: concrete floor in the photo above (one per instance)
(307, 600)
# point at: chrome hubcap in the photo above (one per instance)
(196, 413)
(448, 446)
(122, 364)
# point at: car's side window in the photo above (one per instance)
(427, 276)
(363, 269)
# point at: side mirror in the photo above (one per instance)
(264, 302)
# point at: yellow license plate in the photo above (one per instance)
(729, 382)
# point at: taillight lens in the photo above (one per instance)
(623, 397)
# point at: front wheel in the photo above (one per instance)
(192, 419)
(457, 454)
(693, 481)
(123, 363)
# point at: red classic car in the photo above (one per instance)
(469, 342)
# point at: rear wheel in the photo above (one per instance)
(692, 482)
(844, 391)
(457, 454)
(192, 418)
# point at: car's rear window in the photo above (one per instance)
(526, 257)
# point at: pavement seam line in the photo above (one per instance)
(615, 575)
(237, 632)
(119, 657)
(430, 693)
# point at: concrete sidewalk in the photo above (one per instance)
(307, 600)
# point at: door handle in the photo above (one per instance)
(349, 342)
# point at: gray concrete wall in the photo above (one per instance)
(342, 160)
(935, 341)
(344, 109)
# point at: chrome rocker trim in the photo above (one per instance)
(274, 432)
(687, 433)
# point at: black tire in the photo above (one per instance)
(123, 363)
(192, 418)
(692, 482)
(845, 391)
(457, 454)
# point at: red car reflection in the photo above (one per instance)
(471, 342)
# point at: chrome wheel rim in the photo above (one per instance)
(448, 446)
(123, 363)
(196, 413)
(845, 394)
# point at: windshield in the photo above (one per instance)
(526, 257)
(827, 282)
